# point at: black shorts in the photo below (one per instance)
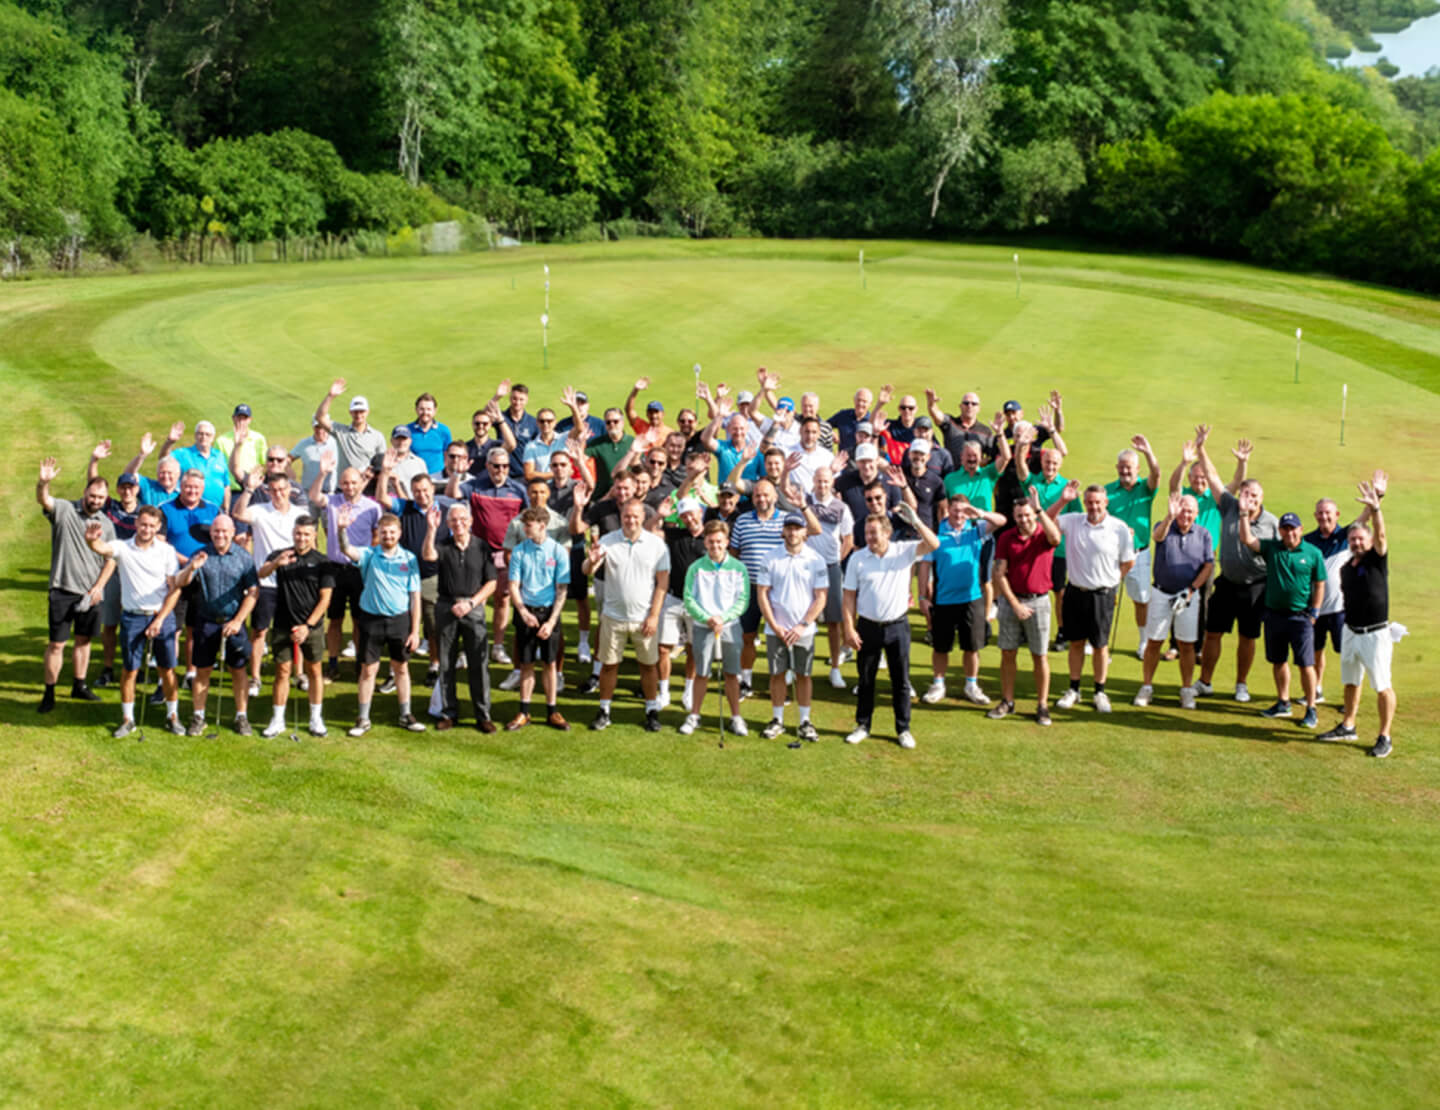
(207, 646)
(374, 634)
(579, 583)
(964, 622)
(1087, 614)
(1287, 633)
(1057, 573)
(64, 612)
(187, 609)
(529, 648)
(1233, 604)
(263, 615)
(348, 587)
(750, 619)
(1329, 626)
(987, 555)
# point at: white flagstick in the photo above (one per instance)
(1297, 356)
(862, 267)
(1344, 396)
(547, 295)
(545, 338)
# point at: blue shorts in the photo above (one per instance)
(1331, 626)
(207, 646)
(1287, 634)
(133, 642)
(750, 619)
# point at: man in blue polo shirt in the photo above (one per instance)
(187, 528)
(389, 613)
(226, 587)
(428, 438)
(952, 590)
(205, 456)
(539, 581)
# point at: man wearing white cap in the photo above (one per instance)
(356, 443)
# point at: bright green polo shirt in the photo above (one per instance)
(1290, 575)
(1133, 507)
(979, 490)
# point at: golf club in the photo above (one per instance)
(143, 699)
(219, 687)
(1115, 616)
(295, 711)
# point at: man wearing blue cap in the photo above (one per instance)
(652, 429)
(1294, 590)
(244, 449)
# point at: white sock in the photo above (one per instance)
(747, 676)
(585, 637)
(190, 674)
(777, 712)
(172, 708)
(652, 705)
(316, 714)
(804, 713)
(199, 714)
(971, 680)
(689, 687)
(595, 670)
(127, 710)
(277, 715)
(604, 705)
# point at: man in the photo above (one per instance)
(1294, 589)
(304, 581)
(833, 543)
(486, 438)
(608, 450)
(845, 420)
(557, 528)
(539, 579)
(952, 591)
(729, 451)
(792, 587)
(166, 483)
(809, 456)
(277, 462)
(717, 591)
(877, 599)
(1368, 645)
(77, 579)
(637, 575)
(120, 510)
(319, 444)
(1101, 553)
(902, 428)
(389, 614)
(495, 499)
(1333, 542)
(465, 580)
(403, 464)
(147, 567)
(244, 449)
(356, 443)
(1023, 576)
(203, 456)
(940, 459)
(536, 459)
(927, 483)
(1238, 600)
(976, 483)
(652, 429)
(1130, 501)
(522, 427)
(592, 516)
(580, 417)
(414, 514)
(187, 527)
(686, 543)
(756, 538)
(363, 514)
(429, 439)
(226, 585)
(852, 485)
(1184, 561)
(965, 427)
(810, 410)
(1048, 485)
(565, 480)
(272, 527)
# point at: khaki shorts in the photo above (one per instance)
(615, 634)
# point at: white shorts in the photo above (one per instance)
(1159, 618)
(1137, 582)
(1367, 654)
(674, 622)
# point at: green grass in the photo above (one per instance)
(1151, 909)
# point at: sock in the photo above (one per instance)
(1075, 685)
(746, 676)
(550, 708)
(1099, 687)
(127, 710)
(49, 691)
(362, 711)
(604, 705)
(804, 713)
(652, 705)
(595, 669)
(277, 715)
(405, 708)
(525, 708)
(777, 712)
(190, 674)
(334, 660)
(316, 714)
(970, 680)
(199, 714)
(172, 708)
(584, 637)
(689, 687)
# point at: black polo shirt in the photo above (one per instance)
(1366, 588)
(298, 587)
(684, 550)
(462, 573)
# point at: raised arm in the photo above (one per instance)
(1067, 495)
(318, 497)
(928, 540)
(1241, 451)
(1057, 405)
(93, 533)
(1371, 494)
(932, 405)
(1247, 537)
(322, 411)
(1187, 460)
(172, 437)
(641, 384)
(769, 388)
(241, 508)
(49, 469)
(1142, 445)
(147, 448)
(100, 451)
(1044, 519)
(1161, 528)
(1212, 476)
(428, 551)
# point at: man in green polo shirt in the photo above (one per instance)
(976, 484)
(1130, 502)
(609, 449)
(1048, 485)
(1294, 589)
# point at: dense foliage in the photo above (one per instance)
(1204, 125)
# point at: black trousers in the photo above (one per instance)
(455, 634)
(893, 638)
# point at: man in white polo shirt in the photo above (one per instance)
(877, 601)
(637, 575)
(793, 586)
(1099, 554)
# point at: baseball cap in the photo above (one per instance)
(865, 428)
(793, 520)
(654, 406)
(127, 480)
(745, 397)
(1013, 406)
(921, 445)
(401, 430)
(689, 505)
(785, 403)
(583, 398)
(729, 488)
(924, 422)
(359, 404)
(242, 410)
(1290, 520)
(866, 451)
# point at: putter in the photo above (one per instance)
(1115, 617)
(219, 673)
(144, 701)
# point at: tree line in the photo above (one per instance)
(1215, 128)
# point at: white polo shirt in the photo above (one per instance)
(881, 582)
(1094, 552)
(143, 571)
(793, 580)
(272, 530)
(630, 570)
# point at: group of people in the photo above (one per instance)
(750, 510)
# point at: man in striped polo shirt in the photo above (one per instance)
(758, 536)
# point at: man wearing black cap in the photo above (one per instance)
(244, 449)
(578, 403)
(1294, 589)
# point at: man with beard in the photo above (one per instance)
(226, 585)
(1022, 577)
(356, 443)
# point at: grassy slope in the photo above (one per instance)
(1151, 909)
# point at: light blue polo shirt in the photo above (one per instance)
(389, 580)
(957, 562)
(539, 568)
(429, 445)
(215, 467)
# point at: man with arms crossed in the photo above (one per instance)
(1365, 582)
(1101, 554)
(1023, 577)
(1184, 561)
(304, 581)
(877, 602)
(793, 586)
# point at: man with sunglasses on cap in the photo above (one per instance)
(356, 443)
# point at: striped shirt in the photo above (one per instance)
(757, 541)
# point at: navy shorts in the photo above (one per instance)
(1329, 626)
(964, 621)
(1287, 634)
(133, 642)
(208, 635)
(750, 619)
(263, 615)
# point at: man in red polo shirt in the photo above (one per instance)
(1023, 556)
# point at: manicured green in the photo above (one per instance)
(1148, 908)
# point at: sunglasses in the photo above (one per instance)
(907, 408)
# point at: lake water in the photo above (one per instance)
(1415, 49)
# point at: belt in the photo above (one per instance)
(1084, 590)
(1367, 628)
(1029, 597)
(885, 624)
(141, 612)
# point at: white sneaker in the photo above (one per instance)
(254, 687)
(582, 653)
(687, 699)
(1102, 702)
(837, 680)
(1089, 648)
(1319, 696)
(975, 695)
(1242, 692)
(738, 726)
(1203, 689)
(689, 724)
(1143, 695)
(905, 740)
(348, 651)
(935, 693)
(913, 695)
(1140, 653)
(1068, 699)
(664, 697)
(845, 656)
(273, 729)
(423, 648)
(462, 663)
(317, 728)
(498, 654)
(856, 736)
(1187, 697)
(884, 666)
(511, 681)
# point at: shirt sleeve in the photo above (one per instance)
(664, 561)
(852, 575)
(1127, 542)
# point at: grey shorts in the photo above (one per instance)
(1034, 633)
(834, 611)
(110, 605)
(707, 646)
(798, 658)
